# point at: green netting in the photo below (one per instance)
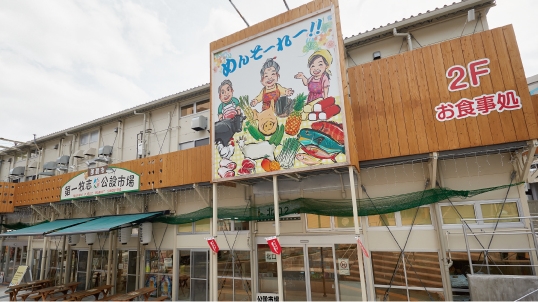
(19, 225)
(330, 207)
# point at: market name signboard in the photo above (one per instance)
(100, 181)
(277, 101)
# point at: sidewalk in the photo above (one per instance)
(3, 295)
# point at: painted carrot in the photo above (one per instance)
(321, 105)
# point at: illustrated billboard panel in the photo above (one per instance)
(277, 101)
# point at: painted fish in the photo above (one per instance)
(331, 129)
(313, 137)
(318, 153)
(307, 159)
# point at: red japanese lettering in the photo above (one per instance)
(457, 72)
(475, 73)
(465, 108)
(445, 112)
(485, 103)
(508, 100)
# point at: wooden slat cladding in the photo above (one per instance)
(158, 171)
(394, 99)
(287, 17)
(7, 197)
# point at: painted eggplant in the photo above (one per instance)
(312, 137)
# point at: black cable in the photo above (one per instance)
(393, 237)
(512, 177)
(416, 40)
(403, 40)
(476, 24)
(403, 250)
(168, 129)
(471, 230)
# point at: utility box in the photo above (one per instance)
(199, 123)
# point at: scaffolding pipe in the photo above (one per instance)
(277, 233)
(357, 230)
(214, 280)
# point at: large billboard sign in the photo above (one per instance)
(100, 181)
(277, 101)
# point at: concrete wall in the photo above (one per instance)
(429, 34)
(502, 287)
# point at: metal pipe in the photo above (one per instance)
(62, 259)
(357, 230)
(277, 233)
(214, 280)
(143, 133)
(109, 260)
(408, 35)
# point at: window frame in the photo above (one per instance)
(194, 108)
(193, 228)
(333, 227)
(88, 135)
(478, 213)
(194, 143)
(232, 227)
(399, 225)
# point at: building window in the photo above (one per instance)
(159, 272)
(402, 218)
(328, 223)
(90, 137)
(195, 143)
(479, 210)
(196, 107)
(229, 225)
(200, 226)
(234, 276)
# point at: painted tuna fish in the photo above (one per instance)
(316, 152)
(313, 137)
(331, 129)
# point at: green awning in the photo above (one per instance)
(105, 224)
(44, 228)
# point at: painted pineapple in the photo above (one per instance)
(293, 123)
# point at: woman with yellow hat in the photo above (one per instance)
(318, 84)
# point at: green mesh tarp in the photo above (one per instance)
(330, 207)
(19, 225)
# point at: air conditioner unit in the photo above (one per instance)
(91, 238)
(144, 232)
(199, 123)
(73, 239)
(124, 234)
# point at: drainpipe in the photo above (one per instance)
(143, 132)
(72, 149)
(408, 35)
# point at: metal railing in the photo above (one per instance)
(469, 230)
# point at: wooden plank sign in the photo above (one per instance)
(277, 96)
(462, 93)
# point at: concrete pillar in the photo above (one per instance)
(280, 280)
(357, 230)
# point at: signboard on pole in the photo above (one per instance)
(100, 181)
(277, 101)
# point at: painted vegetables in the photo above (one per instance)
(286, 158)
(270, 165)
(293, 123)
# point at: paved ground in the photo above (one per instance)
(5, 297)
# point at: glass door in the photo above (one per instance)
(321, 271)
(35, 266)
(293, 273)
(199, 274)
(126, 281)
(81, 262)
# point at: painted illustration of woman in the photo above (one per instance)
(318, 84)
(271, 89)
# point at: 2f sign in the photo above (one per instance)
(458, 73)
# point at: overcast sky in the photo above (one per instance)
(64, 62)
